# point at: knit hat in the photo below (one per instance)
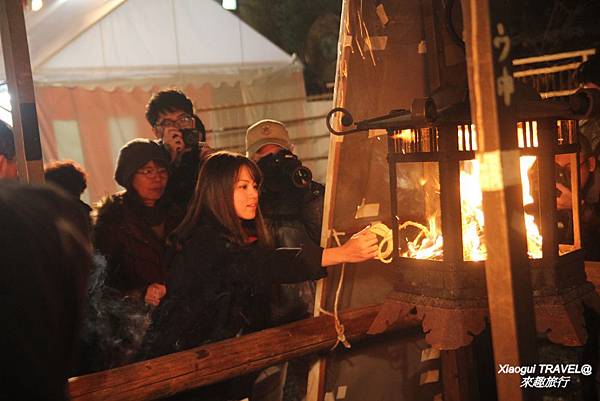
(266, 132)
(134, 155)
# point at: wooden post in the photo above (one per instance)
(508, 278)
(316, 375)
(20, 87)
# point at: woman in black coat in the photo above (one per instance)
(130, 233)
(219, 281)
(131, 226)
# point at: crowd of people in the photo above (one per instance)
(198, 247)
(181, 257)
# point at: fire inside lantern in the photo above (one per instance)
(428, 242)
(437, 220)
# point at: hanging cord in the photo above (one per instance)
(339, 327)
(383, 254)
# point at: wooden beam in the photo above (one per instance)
(174, 373)
(492, 89)
(316, 375)
(20, 87)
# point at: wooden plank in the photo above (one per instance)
(20, 86)
(316, 375)
(459, 374)
(547, 190)
(508, 279)
(174, 373)
(547, 70)
(584, 54)
(450, 206)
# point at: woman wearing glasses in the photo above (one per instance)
(131, 226)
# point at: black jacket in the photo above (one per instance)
(217, 289)
(294, 215)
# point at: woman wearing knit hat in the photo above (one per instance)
(131, 226)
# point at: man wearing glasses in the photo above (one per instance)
(181, 134)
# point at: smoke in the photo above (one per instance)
(113, 325)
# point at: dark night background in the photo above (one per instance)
(309, 28)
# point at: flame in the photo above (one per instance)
(406, 135)
(472, 212)
(534, 238)
(428, 244)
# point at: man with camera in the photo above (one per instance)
(292, 206)
(291, 202)
(182, 135)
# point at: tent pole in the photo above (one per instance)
(20, 87)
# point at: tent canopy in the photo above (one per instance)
(110, 43)
(96, 63)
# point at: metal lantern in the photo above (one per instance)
(437, 219)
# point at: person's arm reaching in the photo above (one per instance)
(362, 246)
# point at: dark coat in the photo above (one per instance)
(184, 173)
(294, 217)
(217, 290)
(45, 263)
(123, 234)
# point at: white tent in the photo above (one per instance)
(96, 63)
(105, 42)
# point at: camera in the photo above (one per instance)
(191, 136)
(283, 170)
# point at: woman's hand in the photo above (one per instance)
(154, 294)
(362, 246)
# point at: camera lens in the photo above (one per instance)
(301, 177)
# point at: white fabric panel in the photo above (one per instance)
(140, 33)
(60, 22)
(68, 141)
(121, 131)
(144, 39)
(254, 49)
(85, 52)
(207, 34)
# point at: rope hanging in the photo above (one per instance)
(384, 252)
(339, 327)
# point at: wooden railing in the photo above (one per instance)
(175, 373)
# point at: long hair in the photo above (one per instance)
(213, 200)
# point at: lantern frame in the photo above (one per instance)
(450, 294)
